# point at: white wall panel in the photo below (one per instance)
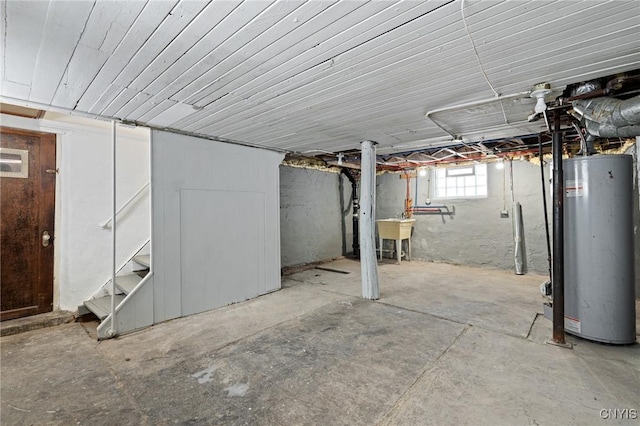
(137, 313)
(216, 223)
(221, 247)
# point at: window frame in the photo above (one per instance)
(458, 178)
(23, 154)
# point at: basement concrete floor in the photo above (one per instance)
(444, 345)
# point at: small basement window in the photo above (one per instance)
(461, 182)
(14, 163)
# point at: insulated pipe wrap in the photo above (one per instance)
(609, 131)
(609, 117)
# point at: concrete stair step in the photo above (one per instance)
(143, 259)
(34, 322)
(101, 306)
(126, 283)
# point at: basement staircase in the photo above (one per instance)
(101, 306)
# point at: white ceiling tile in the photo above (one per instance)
(321, 74)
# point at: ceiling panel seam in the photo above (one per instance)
(133, 69)
(120, 54)
(417, 93)
(290, 62)
(370, 40)
(35, 68)
(153, 71)
(199, 67)
(315, 13)
(311, 22)
(188, 94)
(339, 94)
(4, 41)
(143, 108)
(282, 78)
(108, 23)
(66, 67)
(529, 68)
(329, 78)
(103, 102)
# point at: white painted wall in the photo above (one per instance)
(477, 234)
(83, 199)
(311, 220)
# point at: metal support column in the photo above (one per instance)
(558, 233)
(367, 224)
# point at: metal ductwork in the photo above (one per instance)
(609, 117)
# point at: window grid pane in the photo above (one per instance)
(465, 181)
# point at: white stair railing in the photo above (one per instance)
(101, 291)
(107, 224)
(113, 330)
(106, 327)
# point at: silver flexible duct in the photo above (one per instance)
(609, 117)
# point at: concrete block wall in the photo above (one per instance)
(315, 215)
(314, 229)
(477, 234)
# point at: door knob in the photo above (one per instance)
(45, 239)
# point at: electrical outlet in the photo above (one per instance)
(504, 214)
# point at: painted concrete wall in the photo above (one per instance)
(315, 215)
(345, 189)
(476, 234)
(83, 200)
(216, 226)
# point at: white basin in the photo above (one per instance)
(395, 229)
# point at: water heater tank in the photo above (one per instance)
(599, 253)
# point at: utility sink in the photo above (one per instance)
(397, 230)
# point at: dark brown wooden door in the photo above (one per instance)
(27, 203)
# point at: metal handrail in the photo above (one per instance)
(121, 266)
(107, 224)
(113, 330)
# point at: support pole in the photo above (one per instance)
(558, 233)
(368, 261)
(114, 327)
